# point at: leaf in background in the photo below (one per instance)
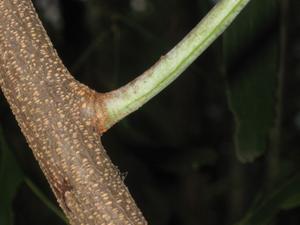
(41, 196)
(11, 177)
(251, 63)
(292, 199)
(285, 197)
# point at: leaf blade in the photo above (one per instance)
(285, 197)
(11, 177)
(250, 49)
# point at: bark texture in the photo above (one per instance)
(62, 121)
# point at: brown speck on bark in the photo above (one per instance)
(62, 121)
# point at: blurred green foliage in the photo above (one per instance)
(284, 197)
(11, 177)
(251, 58)
(178, 151)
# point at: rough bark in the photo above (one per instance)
(62, 121)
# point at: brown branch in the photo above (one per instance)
(62, 121)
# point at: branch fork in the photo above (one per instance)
(63, 119)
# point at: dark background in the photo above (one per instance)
(177, 152)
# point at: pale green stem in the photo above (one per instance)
(121, 102)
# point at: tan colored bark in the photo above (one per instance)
(62, 121)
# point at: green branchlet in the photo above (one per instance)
(125, 100)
